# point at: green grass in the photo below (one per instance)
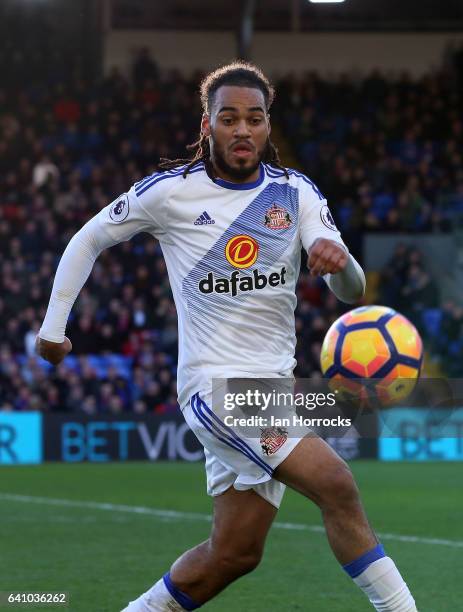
(104, 558)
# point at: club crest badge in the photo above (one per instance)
(272, 439)
(277, 217)
(120, 209)
(327, 218)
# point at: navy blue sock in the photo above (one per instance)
(357, 566)
(182, 598)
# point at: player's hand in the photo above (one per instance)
(53, 352)
(326, 257)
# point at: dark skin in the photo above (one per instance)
(238, 128)
(54, 352)
(242, 520)
(326, 257)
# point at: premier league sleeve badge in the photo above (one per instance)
(120, 209)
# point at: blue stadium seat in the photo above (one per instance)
(432, 318)
(22, 359)
(98, 364)
(382, 204)
(72, 362)
(125, 373)
(455, 347)
(122, 363)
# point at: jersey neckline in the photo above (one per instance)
(242, 186)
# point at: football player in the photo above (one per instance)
(231, 222)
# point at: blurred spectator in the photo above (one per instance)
(406, 283)
(386, 152)
(29, 339)
(419, 291)
(144, 68)
(448, 343)
(44, 171)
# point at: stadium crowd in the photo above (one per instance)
(406, 285)
(386, 153)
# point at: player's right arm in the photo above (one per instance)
(115, 223)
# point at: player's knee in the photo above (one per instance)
(238, 563)
(340, 488)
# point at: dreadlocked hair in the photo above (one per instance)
(239, 74)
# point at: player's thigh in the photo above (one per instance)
(314, 469)
(241, 521)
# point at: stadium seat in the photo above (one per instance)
(382, 204)
(98, 364)
(72, 362)
(455, 348)
(431, 319)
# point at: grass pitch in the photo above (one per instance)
(105, 555)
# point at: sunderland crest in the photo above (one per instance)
(277, 217)
(272, 439)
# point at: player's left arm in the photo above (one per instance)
(340, 270)
(328, 256)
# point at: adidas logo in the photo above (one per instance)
(204, 219)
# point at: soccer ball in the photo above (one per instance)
(377, 343)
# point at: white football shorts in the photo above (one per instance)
(234, 458)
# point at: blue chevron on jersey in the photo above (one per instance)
(139, 184)
(214, 306)
(273, 172)
(147, 183)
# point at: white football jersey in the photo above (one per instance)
(233, 257)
